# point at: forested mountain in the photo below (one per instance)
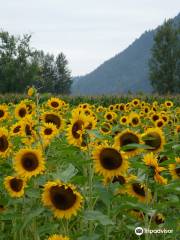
(127, 71)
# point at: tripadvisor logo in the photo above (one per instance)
(139, 231)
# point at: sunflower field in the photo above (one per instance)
(89, 172)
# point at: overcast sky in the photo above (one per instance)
(87, 31)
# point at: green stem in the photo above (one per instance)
(107, 226)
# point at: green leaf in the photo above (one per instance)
(92, 237)
(67, 174)
(34, 213)
(98, 216)
(176, 147)
(136, 146)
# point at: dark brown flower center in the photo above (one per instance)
(3, 143)
(16, 129)
(62, 198)
(124, 120)
(164, 118)
(110, 158)
(48, 131)
(146, 110)
(16, 184)
(135, 121)
(120, 179)
(52, 118)
(109, 116)
(129, 138)
(162, 158)
(155, 117)
(105, 128)
(1, 113)
(55, 104)
(159, 220)
(30, 161)
(22, 112)
(122, 107)
(154, 141)
(89, 127)
(76, 127)
(177, 170)
(138, 189)
(28, 130)
(160, 124)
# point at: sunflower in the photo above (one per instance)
(31, 107)
(122, 180)
(135, 102)
(91, 123)
(105, 128)
(15, 186)
(48, 131)
(177, 130)
(117, 107)
(154, 138)
(76, 129)
(155, 117)
(110, 116)
(63, 199)
(159, 218)
(159, 179)
(160, 123)
(3, 112)
(122, 107)
(111, 107)
(28, 130)
(109, 162)
(165, 118)
(140, 191)
(16, 129)
(31, 91)
(54, 103)
(5, 145)
(146, 109)
(152, 161)
(100, 109)
(134, 119)
(168, 104)
(58, 237)
(174, 168)
(21, 111)
(127, 137)
(124, 120)
(52, 117)
(29, 162)
(136, 213)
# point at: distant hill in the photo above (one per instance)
(127, 71)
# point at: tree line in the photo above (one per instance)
(164, 64)
(22, 66)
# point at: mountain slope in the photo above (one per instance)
(127, 71)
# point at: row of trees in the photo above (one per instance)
(164, 64)
(22, 66)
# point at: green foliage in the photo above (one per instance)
(164, 64)
(22, 66)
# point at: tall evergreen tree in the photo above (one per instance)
(63, 79)
(163, 64)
